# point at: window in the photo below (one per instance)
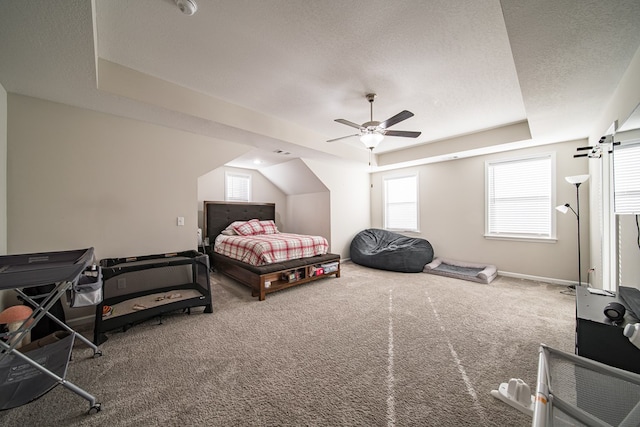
(520, 197)
(237, 187)
(401, 203)
(626, 175)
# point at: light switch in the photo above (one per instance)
(180, 220)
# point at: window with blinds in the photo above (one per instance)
(401, 203)
(237, 187)
(626, 175)
(520, 197)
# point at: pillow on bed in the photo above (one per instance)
(229, 231)
(249, 228)
(269, 226)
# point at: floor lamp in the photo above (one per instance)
(575, 180)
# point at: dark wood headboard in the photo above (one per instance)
(218, 215)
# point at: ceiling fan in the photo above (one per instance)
(372, 132)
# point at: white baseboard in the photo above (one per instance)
(551, 280)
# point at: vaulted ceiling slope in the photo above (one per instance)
(275, 74)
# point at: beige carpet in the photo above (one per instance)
(372, 348)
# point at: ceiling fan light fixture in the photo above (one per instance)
(371, 139)
(373, 132)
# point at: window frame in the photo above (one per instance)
(617, 192)
(385, 214)
(523, 236)
(236, 175)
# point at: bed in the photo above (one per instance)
(262, 273)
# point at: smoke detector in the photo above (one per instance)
(188, 7)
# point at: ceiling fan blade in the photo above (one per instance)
(348, 123)
(403, 115)
(342, 137)
(404, 133)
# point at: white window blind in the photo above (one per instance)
(237, 187)
(519, 197)
(626, 175)
(401, 203)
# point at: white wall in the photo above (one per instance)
(310, 214)
(211, 188)
(3, 171)
(308, 198)
(452, 216)
(349, 202)
(7, 298)
(293, 177)
(78, 178)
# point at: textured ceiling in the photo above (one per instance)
(462, 67)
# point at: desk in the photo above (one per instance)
(597, 338)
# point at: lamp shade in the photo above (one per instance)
(576, 179)
(371, 139)
(563, 208)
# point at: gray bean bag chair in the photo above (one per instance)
(386, 250)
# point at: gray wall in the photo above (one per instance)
(6, 298)
(3, 171)
(309, 214)
(452, 216)
(349, 201)
(78, 178)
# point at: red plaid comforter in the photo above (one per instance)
(269, 248)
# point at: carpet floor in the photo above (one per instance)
(371, 348)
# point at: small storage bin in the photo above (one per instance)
(330, 267)
(317, 271)
(292, 276)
